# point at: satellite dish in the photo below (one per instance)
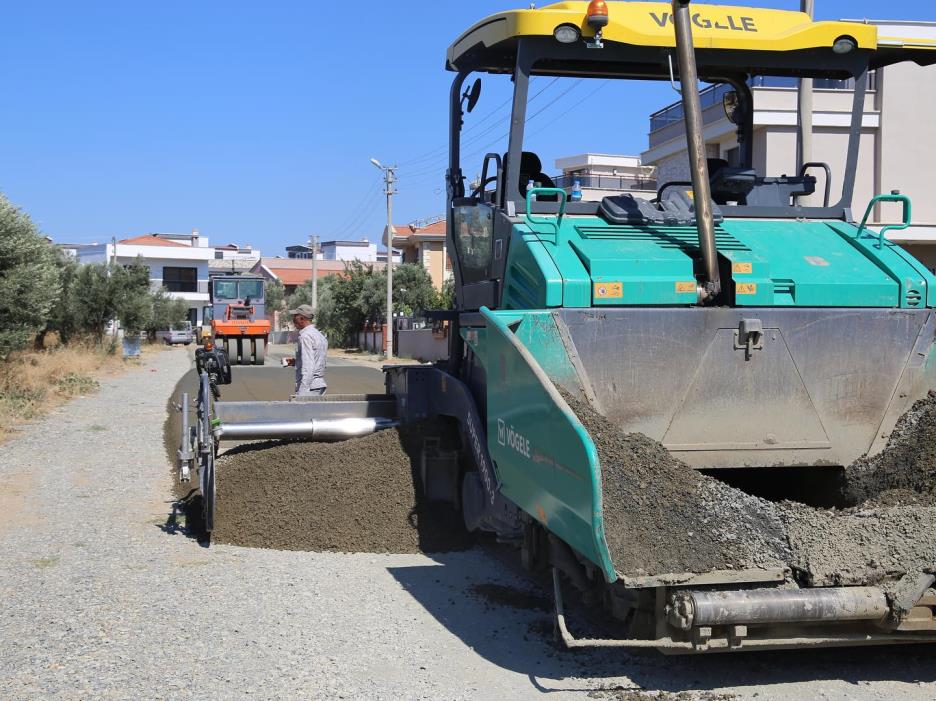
(473, 94)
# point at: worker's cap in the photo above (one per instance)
(305, 310)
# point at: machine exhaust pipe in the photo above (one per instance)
(692, 609)
(702, 192)
(323, 430)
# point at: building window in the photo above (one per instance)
(733, 156)
(180, 279)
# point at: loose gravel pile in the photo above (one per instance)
(353, 496)
(890, 527)
(860, 546)
(661, 516)
(905, 472)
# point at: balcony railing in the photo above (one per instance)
(715, 94)
(201, 287)
(606, 182)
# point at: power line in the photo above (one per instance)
(476, 137)
(360, 211)
(435, 170)
(555, 119)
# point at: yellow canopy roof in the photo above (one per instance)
(650, 24)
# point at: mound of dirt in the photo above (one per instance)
(661, 516)
(860, 546)
(889, 529)
(353, 496)
(905, 471)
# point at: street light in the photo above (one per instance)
(389, 178)
(314, 245)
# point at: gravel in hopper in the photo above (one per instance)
(904, 473)
(353, 496)
(662, 517)
(890, 528)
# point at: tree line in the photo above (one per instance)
(43, 290)
(350, 301)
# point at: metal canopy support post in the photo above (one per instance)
(454, 180)
(805, 105)
(702, 197)
(517, 123)
(854, 138)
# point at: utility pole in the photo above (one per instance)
(805, 114)
(389, 173)
(314, 244)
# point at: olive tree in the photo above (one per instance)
(29, 278)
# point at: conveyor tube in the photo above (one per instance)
(325, 430)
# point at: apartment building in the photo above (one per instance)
(362, 250)
(180, 268)
(423, 242)
(601, 175)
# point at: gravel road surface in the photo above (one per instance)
(100, 598)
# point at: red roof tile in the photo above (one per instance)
(438, 227)
(296, 271)
(151, 240)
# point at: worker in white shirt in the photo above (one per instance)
(311, 349)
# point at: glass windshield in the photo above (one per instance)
(563, 144)
(252, 289)
(225, 289)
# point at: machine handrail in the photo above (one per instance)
(893, 197)
(531, 194)
(828, 177)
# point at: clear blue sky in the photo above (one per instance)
(254, 122)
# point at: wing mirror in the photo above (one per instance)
(471, 95)
(732, 104)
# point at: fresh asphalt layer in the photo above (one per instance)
(101, 596)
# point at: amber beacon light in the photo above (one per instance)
(597, 14)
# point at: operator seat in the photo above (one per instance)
(531, 169)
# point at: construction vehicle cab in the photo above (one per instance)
(238, 320)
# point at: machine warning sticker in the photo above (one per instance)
(742, 268)
(609, 290)
(746, 288)
(683, 287)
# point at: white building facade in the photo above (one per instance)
(897, 146)
(363, 250)
(179, 268)
(601, 175)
